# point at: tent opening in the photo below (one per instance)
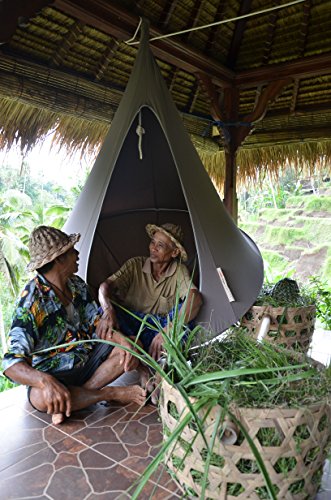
(145, 187)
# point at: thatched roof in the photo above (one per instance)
(66, 67)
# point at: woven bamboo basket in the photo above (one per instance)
(300, 439)
(290, 327)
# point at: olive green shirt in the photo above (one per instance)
(135, 287)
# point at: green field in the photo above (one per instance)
(295, 241)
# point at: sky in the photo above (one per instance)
(50, 165)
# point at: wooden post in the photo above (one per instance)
(230, 183)
(236, 128)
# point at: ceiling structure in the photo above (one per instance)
(256, 85)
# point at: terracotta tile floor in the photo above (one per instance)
(99, 453)
(96, 454)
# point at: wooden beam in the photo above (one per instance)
(106, 59)
(193, 96)
(168, 9)
(267, 137)
(121, 24)
(301, 68)
(218, 17)
(193, 19)
(305, 26)
(270, 34)
(245, 8)
(172, 79)
(324, 107)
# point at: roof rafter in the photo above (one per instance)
(122, 24)
(218, 17)
(270, 34)
(245, 8)
(104, 64)
(194, 18)
(193, 96)
(304, 26)
(166, 13)
(67, 43)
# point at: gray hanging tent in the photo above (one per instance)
(156, 177)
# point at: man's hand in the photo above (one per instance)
(107, 323)
(129, 361)
(56, 396)
(156, 347)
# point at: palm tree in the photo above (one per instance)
(13, 251)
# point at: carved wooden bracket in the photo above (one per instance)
(234, 127)
(206, 83)
(270, 93)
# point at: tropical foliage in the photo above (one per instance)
(24, 204)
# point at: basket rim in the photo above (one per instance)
(235, 408)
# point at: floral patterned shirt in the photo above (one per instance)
(40, 321)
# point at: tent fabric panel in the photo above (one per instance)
(152, 181)
(218, 241)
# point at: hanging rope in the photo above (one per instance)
(251, 14)
(140, 132)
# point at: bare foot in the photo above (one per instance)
(58, 418)
(157, 389)
(131, 394)
(146, 378)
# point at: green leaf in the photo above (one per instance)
(221, 375)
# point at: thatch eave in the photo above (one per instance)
(25, 125)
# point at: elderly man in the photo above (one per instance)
(56, 308)
(148, 285)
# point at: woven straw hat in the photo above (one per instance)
(175, 233)
(46, 243)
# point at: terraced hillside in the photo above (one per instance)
(295, 241)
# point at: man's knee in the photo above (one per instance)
(36, 400)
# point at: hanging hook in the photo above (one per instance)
(131, 40)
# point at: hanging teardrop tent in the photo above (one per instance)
(148, 171)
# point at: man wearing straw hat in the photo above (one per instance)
(55, 308)
(148, 286)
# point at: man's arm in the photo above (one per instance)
(107, 326)
(55, 396)
(108, 320)
(120, 281)
(105, 293)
